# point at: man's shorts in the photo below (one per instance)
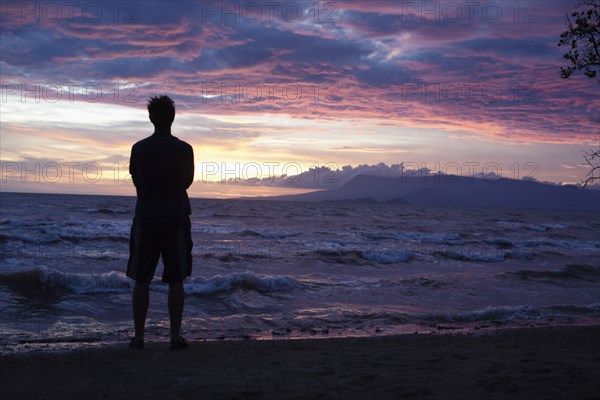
(146, 248)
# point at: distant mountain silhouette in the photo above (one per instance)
(450, 190)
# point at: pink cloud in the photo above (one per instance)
(358, 67)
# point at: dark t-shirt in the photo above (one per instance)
(162, 168)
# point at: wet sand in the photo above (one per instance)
(534, 363)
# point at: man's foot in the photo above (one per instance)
(178, 344)
(136, 343)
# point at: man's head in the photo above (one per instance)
(161, 110)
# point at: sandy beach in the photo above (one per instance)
(534, 363)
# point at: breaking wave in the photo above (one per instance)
(46, 279)
(571, 271)
(495, 256)
(415, 236)
(269, 234)
(508, 313)
(355, 257)
(243, 280)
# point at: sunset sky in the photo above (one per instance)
(269, 88)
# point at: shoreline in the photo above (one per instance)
(74, 343)
(540, 362)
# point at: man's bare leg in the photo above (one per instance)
(176, 302)
(140, 299)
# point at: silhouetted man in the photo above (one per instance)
(162, 168)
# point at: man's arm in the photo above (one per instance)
(133, 165)
(189, 167)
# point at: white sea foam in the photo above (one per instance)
(386, 256)
(544, 227)
(269, 234)
(51, 279)
(216, 229)
(510, 313)
(69, 230)
(414, 236)
(86, 283)
(242, 280)
(227, 230)
(473, 256)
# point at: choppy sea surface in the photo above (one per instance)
(266, 269)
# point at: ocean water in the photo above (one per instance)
(291, 269)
